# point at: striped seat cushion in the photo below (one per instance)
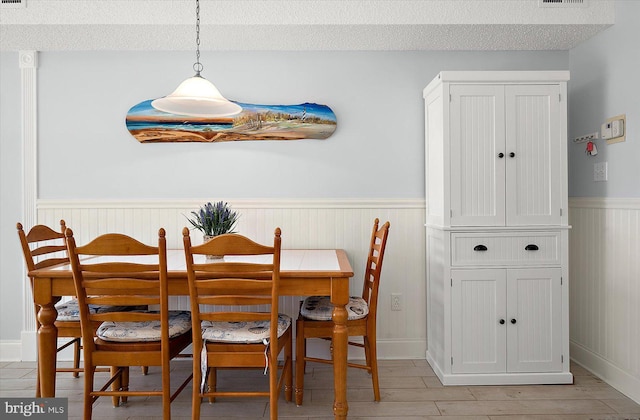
(69, 311)
(242, 332)
(319, 308)
(179, 323)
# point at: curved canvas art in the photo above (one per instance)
(255, 122)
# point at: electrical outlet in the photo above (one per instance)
(600, 171)
(396, 301)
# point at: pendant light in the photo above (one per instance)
(197, 96)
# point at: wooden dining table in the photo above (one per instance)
(303, 272)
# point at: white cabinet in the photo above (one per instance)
(505, 154)
(506, 320)
(497, 232)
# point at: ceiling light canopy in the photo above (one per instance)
(197, 96)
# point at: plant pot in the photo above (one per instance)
(207, 238)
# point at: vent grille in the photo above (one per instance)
(563, 3)
(14, 4)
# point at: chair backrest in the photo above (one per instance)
(42, 246)
(115, 269)
(374, 265)
(244, 282)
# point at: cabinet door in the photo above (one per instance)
(477, 133)
(534, 315)
(533, 141)
(478, 321)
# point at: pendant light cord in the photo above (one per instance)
(197, 66)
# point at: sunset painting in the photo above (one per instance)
(255, 122)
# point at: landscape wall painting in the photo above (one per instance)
(255, 122)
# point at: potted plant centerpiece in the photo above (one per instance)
(213, 220)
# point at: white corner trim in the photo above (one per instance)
(28, 61)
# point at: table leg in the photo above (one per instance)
(339, 298)
(47, 345)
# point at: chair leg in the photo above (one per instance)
(145, 370)
(88, 389)
(125, 383)
(76, 357)
(288, 371)
(273, 389)
(300, 362)
(212, 381)
(166, 389)
(116, 385)
(370, 344)
(196, 400)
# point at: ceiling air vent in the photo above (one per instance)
(563, 3)
(14, 4)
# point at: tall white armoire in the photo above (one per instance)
(496, 227)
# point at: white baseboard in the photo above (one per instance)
(25, 349)
(605, 370)
(10, 351)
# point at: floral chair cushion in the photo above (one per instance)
(242, 332)
(319, 308)
(179, 323)
(69, 311)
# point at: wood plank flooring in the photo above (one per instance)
(410, 391)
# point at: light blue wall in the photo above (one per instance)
(376, 151)
(85, 151)
(605, 83)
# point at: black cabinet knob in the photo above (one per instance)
(480, 248)
(513, 320)
(500, 155)
(502, 321)
(512, 154)
(531, 247)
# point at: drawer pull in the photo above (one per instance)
(502, 322)
(480, 248)
(531, 247)
(513, 320)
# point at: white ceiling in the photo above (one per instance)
(50, 25)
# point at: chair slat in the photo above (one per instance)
(129, 316)
(236, 316)
(234, 300)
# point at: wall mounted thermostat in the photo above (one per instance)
(613, 129)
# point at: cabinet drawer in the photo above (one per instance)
(505, 249)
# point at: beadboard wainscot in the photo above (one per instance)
(330, 223)
(604, 263)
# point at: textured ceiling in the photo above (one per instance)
(49, 25)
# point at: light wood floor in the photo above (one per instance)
(410, 390)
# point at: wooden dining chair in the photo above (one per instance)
(314, 319)
(230, 327)
(115, 269)
(44, 247)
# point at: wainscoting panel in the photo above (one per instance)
(342, 224)
(604, 249)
